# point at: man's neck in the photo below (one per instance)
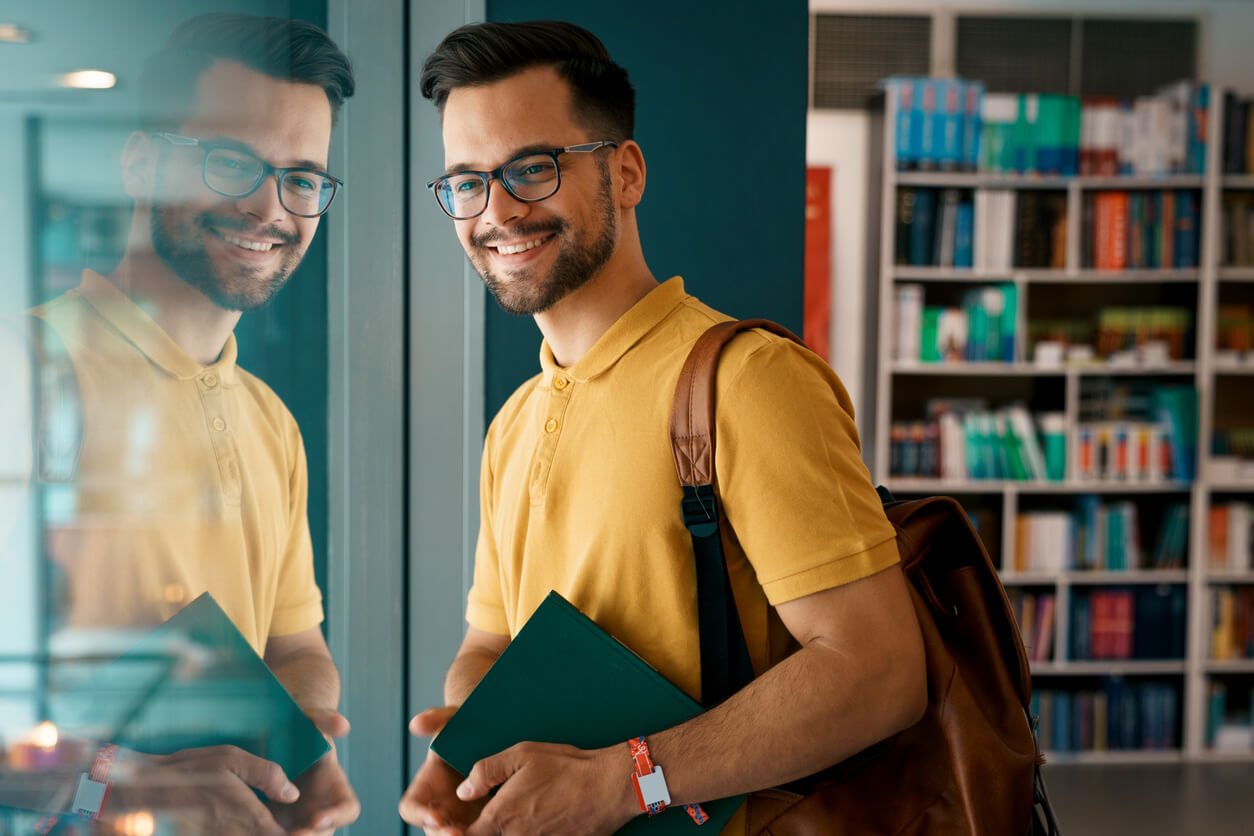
(573, 325)
(190, 318)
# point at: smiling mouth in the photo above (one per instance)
(521, 246)
(246, 244)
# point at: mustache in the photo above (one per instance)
(555, 226)
(208, 222)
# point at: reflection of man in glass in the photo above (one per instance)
(191, 473)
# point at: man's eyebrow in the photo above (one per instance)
(240, 145)
(535, 148)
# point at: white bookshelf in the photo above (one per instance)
(1196, 670)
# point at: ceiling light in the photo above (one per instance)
(88, 80)
(11, 33)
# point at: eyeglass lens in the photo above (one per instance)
(529, 178)
(235, 174)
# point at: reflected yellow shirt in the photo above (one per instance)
(190, 478)
(579, 492)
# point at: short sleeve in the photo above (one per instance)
(791, 477)
(298, 602)
(485, 604)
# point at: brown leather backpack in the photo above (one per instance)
(971, 765)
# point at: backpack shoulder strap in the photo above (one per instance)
(692, 413)
(724, 660)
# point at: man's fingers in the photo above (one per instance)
(491, 772)
(330, 722)
(264, 775)
(428, 723)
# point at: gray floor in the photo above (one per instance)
(1212, 799)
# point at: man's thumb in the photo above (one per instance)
(428, 723)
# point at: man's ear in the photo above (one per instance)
(139, 165)
(631, 171)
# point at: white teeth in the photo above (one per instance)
(256, 246)
(512, 249)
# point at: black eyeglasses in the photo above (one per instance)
(530, 177)
(233, 172)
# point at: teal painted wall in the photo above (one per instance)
(720, 114)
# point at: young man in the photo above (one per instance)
(578, 486)
(191, 475)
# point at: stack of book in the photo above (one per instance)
(982, 330)
(936, 122)
(1229, 730)
(1034, 613)
(965, 440)
(1123, 332)
(1098, 537)
(1123, 230)
(1232, 455)
(950, 124)
(1040, 230)
(1143, 623)
(1232, 631)
(1234, 325)
(1125, 451)
(1237, 229)
(1136, 431)
(1061, 135)
(1151, 135)
(935, 228)
(1123, 715)
(1228, 546)
(1238, 134)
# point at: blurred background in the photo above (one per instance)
(1019, 231)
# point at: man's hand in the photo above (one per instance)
(207, 790)
(326, 801)
(330, 722)
(551, 788)
(431, 801)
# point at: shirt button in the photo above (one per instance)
(550, 426)
(219, 424)
(210, 380)
(561, 383)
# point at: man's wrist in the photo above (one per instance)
(613, 763)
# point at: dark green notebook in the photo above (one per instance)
(191, 682)
(565, 680)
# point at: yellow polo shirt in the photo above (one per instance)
(190, 478)
(579, 492)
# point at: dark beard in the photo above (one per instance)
(189, 260)
(574, 267)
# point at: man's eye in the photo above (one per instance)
(467, 185)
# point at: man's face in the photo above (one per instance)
(239, 251)
(574, 232)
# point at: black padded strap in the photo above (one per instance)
(725, 664)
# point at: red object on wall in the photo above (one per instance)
(818, 262)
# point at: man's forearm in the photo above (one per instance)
(464, 674)
(312, 680)
(810, 711)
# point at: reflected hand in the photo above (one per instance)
(326, 802)
(431, 800)
(330, 722)
(206, 790)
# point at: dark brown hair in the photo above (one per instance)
(482, 53)
(290, 50)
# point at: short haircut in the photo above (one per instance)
(289, 50)
(483, 53)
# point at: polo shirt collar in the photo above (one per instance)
(139, 329)
(626, 331)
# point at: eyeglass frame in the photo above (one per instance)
(495, 174)
(267, 170)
